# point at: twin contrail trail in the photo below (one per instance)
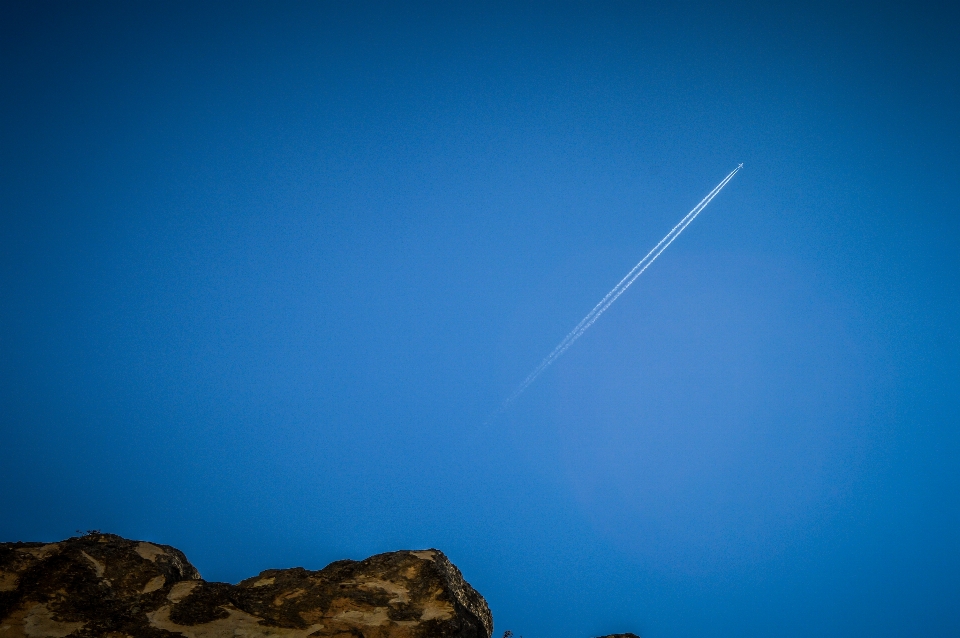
(618, 290)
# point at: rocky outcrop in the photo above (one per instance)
(107, 586)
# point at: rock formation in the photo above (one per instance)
(106, 586)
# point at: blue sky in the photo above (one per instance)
(266, 270)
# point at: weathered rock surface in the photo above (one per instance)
(104, 585)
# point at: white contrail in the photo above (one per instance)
(619, 289)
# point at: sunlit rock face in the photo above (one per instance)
(107, 586)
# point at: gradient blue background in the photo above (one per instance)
(266, 269)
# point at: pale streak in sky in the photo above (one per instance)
(618, 290)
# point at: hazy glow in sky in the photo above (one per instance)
(265, 270)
